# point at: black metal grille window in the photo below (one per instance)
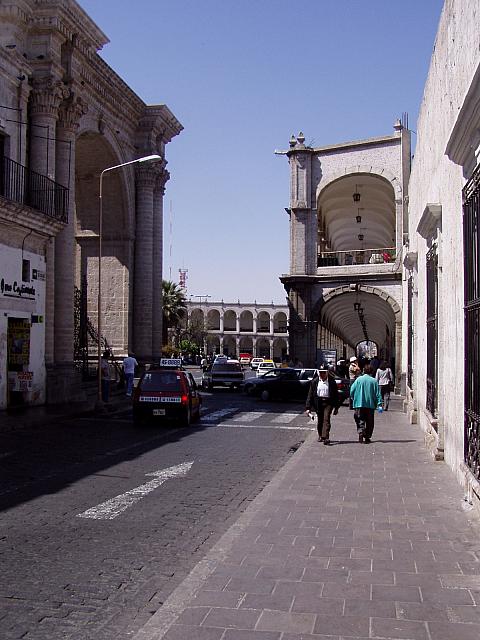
(410, 333)
(432, 329)
(33, 189)
(471, 248)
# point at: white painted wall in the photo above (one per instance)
(21, 307)
(436, 179)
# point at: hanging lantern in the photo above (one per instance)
(360, 237)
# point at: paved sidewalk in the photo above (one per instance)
(351, 541)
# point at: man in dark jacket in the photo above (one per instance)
(323, 399)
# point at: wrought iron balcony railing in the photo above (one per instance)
(33, 189)
(356, 256)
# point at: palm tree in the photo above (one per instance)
(174, 307)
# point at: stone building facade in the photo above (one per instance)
(442, 261)
(347, 212)
(233, 328)
(65, 116)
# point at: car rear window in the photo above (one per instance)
(161, 380)
(226, 367)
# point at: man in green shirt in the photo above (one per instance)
(366, 397)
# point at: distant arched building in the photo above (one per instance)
(234, 328)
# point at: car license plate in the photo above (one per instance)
(159, 412)
(171, 399)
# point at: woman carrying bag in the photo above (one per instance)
(384, 377)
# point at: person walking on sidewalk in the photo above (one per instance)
(384, 377)
(129, 364)
(323, 399)
(365, 394)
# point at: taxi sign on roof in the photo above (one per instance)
(170, 362)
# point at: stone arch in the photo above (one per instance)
(246, 320)
(213, 320)
(379, 172)
(93, 153)
(263, 348)
(280, 350)
(197, 317)
(368, 289)
(263, 322)
(229, 320)
(280, 322)
(230, 346)
(213, 344)
(246, 344)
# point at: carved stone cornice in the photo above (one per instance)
(162, 179)
(46, 96)
(430, 221)
(70, 112)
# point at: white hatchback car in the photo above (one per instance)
(265, 366)
(254, 362)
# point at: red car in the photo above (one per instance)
(167, 392)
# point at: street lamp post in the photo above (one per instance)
(151, 158)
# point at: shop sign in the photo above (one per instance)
(15, 290)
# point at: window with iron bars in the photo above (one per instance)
(471, 266)
(432, 329)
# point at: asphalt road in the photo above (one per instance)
(73, 567)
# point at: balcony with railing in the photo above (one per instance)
(378, 260)
(23, 186)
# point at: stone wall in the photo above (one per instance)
(435, 179)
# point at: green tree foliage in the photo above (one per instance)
(174, 306)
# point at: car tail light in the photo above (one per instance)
(184, 399)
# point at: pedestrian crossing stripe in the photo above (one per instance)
(285, 418)
(249, 416)
(277, 427)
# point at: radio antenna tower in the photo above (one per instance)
(182, 278)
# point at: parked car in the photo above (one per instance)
(223, 373)
(265, 366)
(167, 392)
(255, 362)
(245, 358)
(279, 383)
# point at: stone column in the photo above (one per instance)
(271, 325)
(221, 323)
(50, 303)
(70, 113)
(157, 306)
(254, 324)
(237, 323)
(146, 178)
(45, 99)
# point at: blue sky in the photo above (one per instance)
(242, 76)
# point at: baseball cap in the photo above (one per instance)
(353, 359)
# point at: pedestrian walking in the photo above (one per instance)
(323, 399)
(365, 395)
(129, 364)
(353, 372)
(384, 377)
(106, 375)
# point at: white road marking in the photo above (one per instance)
(218, 415)
(249, 416)
(112, 508)
(235, 425)
(285, 418)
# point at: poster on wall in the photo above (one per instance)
(18, 342)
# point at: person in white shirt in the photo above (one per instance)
(129, 364)
(323, 399)
(384, 377)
